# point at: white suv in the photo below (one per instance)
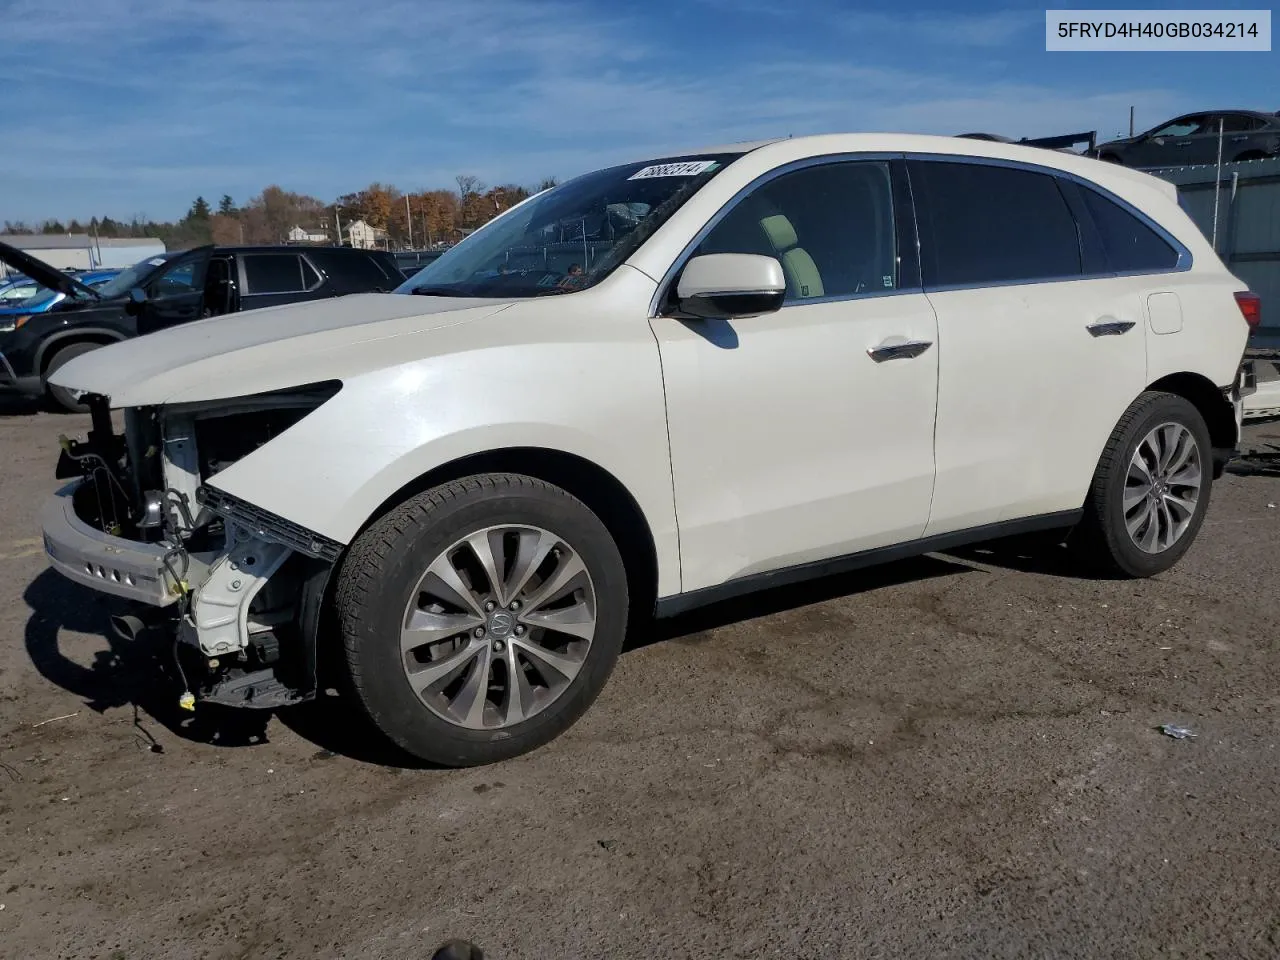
(654, 386)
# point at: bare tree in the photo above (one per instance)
(467, 185)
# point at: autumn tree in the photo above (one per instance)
(269, 217)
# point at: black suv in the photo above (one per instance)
(166, 290)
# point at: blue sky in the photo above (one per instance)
(136, 106)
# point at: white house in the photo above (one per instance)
(308, 235)
(361, 235)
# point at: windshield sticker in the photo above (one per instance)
(689, 168)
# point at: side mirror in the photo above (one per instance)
(137, 297)
(721, 285)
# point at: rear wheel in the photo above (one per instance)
(61, 396)
(1150, 491)
(1110, 158)
(482, 618)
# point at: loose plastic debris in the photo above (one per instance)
(1178, 733)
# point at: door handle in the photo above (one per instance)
(1110, 328)
(1182, 143)
(898, 349)
(1239, 139)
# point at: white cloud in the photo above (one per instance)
(145, 104)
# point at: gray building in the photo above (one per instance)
(79, 251)
(1246, 197)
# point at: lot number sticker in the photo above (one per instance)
(689, 168)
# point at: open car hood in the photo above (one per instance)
(43, 274)
(274, 348)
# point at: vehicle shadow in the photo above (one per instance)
(1042, 553)
(16, 405)
(336, 723)
(141, 674)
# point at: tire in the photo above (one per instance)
(384, 584)
(1103, 540)
(1111, 158)
(61, 396)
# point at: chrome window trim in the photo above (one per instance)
(245, 288)
(686, 253)
(1184, 262)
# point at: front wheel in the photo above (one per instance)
(482, 618)
(1150, 491)
(62, 397)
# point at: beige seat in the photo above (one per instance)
(803, 279)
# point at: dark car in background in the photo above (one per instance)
(167, 290)
(1193, 139)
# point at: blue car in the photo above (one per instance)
(17, 287)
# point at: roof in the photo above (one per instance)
(72, 241)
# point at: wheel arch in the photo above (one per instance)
(602, 492)
(1207, 397)
(66, 338)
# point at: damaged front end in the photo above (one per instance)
(241, 589)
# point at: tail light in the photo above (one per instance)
(1250, 308)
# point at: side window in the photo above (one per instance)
(1129, 244)
(179, 279)
(1236, 123)
(1182, 127)
(358, 273)
(985, 224)
(310, 279)
(273, 273)
(831, 227)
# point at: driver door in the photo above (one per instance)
(176, 294)
(807, 433)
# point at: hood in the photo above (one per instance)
(260, 350)
(43, 274)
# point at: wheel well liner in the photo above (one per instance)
(1209, 400)
(596, 487)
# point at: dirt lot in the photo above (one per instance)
(950, 757)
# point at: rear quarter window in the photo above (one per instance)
(360, 273)
(1129, 245)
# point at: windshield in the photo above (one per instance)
(569, 237)
(39, 301)
(126, 280)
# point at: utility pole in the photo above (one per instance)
(1217, 184)
(1131, 121)
(408, 219)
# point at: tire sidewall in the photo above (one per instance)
(1166, 409)
(385, 690)
(60, 395)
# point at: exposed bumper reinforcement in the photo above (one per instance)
(99, 561)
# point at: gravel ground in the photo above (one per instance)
(948, 757)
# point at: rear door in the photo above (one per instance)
(1038, 356)
(273, 277)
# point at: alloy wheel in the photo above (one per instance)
(498, 626)
(1162, 487)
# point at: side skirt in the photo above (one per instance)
(683, 602)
